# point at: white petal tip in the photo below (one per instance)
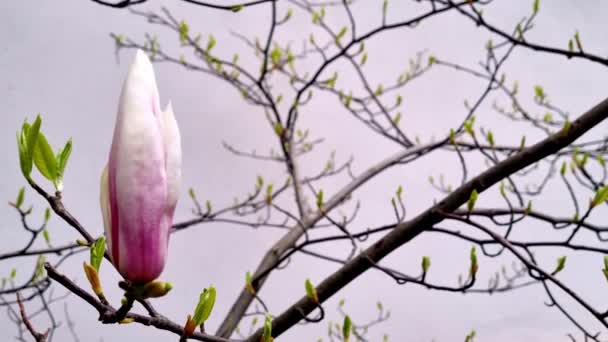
(141, 60)
(169, 107)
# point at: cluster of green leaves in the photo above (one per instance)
(34, 149)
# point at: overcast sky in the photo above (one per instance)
(57, 59)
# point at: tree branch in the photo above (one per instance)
(405, 232)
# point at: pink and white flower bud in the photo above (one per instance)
(140, 184)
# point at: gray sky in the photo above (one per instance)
(58, 60)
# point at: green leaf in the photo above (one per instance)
(267, 336)
(452, 137)
(601, 195)
(318, 16)
(26, 167)
(275, 55)
(585, 159)
(561, 262)
(62, 158)
(311, 292)
(278, 128)
(490, 138)
(470, 336)
(39, 268)
(600, 160)
(341, 34)
(97, 250)
(156, 289)
(535, 6)
(192, 194)
(236, 8)
(46, 236)
(348, 99)
(118, 38)
(332, 81)
(567, 125)
(363, 59)
(33, 135)
(26, 141)
(528, 208)
(20, 197)
(47, 215)
(208, 205)
(577, 40)
(13, 273)
(472, 199)
(205, 305)
(468, 126)
(379, 90)
(347, 327)
(489, 44)
(539, 93)
(210, 43)
(520, 32)
(183, 31)
(269, 193)
(399, 191)
(249, 283)
(473, 257)
(397, 119)
(426, 263)
(44, 158)
(320, 199)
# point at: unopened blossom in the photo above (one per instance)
(140, 184)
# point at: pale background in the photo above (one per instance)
(57, 59)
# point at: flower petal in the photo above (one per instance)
(173, 158)
(104, 201)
